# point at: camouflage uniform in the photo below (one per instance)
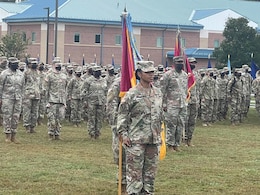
(74, 96)
(3, 66)
(70, 76)
(207, 97)
(85, 77)
(113, 101)
(11, 93)
(192, 108)
(94, 96)
(235, 91)
(139, 119)
(42, 103)
(216, 99)
(222, 83)
(174, 90)
(56, 83)
(256, 91)
(247, 89)
(31, 99)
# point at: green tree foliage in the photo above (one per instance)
(240, 41)
(14, 44)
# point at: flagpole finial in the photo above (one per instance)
(83, 54)
(209, 56)
(252, 55)
(228, 56)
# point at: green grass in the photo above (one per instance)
(225, 160)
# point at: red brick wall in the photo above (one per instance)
(89, 48)
(214, 36)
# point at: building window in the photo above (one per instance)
(24, 36)
(33, 36)
(76, 38)
(183, 43)
(216, 43)
(118, 39)
(98, 38)
(159, 42)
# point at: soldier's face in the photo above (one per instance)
(147, 76)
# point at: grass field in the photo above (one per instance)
(225, 160)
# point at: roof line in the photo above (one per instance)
(84, 21)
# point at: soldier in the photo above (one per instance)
(111, 75)
(235, 91)
(207, 97)
(216, 92)
(70, 76)
(222, 83)
(11, 93)
(139, 125)
(201, 75)
(31, 97)
(3, 63)
(113, 101)
(42, 103)
(94, 97)
(74, 96)
(174, 90)
(56, 83)
(85, 77)
(22, 66)
(247, 89)
(193, 104)
(256, 91)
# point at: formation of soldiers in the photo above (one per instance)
(57, 91)
(82, 92)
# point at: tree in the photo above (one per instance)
(240, 41)
(14, 45)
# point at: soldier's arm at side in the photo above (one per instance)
(123, 120)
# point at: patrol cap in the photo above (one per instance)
(245, 66)
(192, 60)
(238, 70)
(96, 68)
(30, 60)
(14, 62)
(110, 67)
(225, 69)
(202, 71)
(210, 70)
(12, 59)
(146, 66)
(257, 74)
(70, 67)
(178, 59)
(3, 59)
(160, 67)
(78, 70)
(56, 60)
(22, 64)
(34, 62)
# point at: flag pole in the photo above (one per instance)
(120, 160)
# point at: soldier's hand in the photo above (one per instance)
(165, 109)
(48, 105)
(127, 142)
